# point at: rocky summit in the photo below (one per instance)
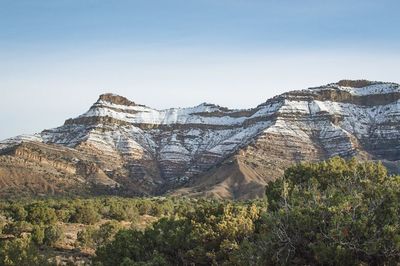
(120, 147)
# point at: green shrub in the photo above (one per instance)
(39, 213)
(51, 235)
(17, 212)
(86, 214)
(37, 234)
(20, 252)
(17, 228)
(85, 237)
(206, 236)
(336, 212)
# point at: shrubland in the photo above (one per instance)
(336, 212)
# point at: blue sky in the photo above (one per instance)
(56, 56)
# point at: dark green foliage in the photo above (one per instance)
(17, 228)
(93, 238)
(106, 233)
(203, 237)
(332, 213)
(86, 214)
(20, 252)
(335, 212)
(17, 212)
(86, 237)
(37, 234)
(52, 234)
(120, 210)
(40, 220)
(90, 211)
(39, 213)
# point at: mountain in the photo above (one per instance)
(124, 148)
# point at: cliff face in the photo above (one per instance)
(210, 150)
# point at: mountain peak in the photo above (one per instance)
(206, 149)
(360, 83)
(361, 87)
(115, 99)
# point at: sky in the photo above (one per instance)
(57, 56)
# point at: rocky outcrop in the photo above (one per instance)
(38, 168)
(208, 150)
(115, 99)
(356, 83)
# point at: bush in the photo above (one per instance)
(86, 214)
(51, 235)
(106, 233)
(41, 214)
(122, 211)
(335, 212)
(85, 238)
(17, 228)
(332, 213)
(206, 236)
(17, 212)
(37, 234)
(93, 238)
(20, 252)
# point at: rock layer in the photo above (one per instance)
(207, 150)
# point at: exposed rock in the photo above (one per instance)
(115, 99)
(206, 150)
(355, 83)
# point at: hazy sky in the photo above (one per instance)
(57, 56)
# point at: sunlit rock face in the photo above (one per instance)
(133, 149)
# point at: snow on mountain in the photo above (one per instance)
(372, 89)
(175, 145)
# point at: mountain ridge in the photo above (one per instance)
(127, 148)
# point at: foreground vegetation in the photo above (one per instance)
(330, 213)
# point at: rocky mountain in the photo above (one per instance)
(121, 147)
